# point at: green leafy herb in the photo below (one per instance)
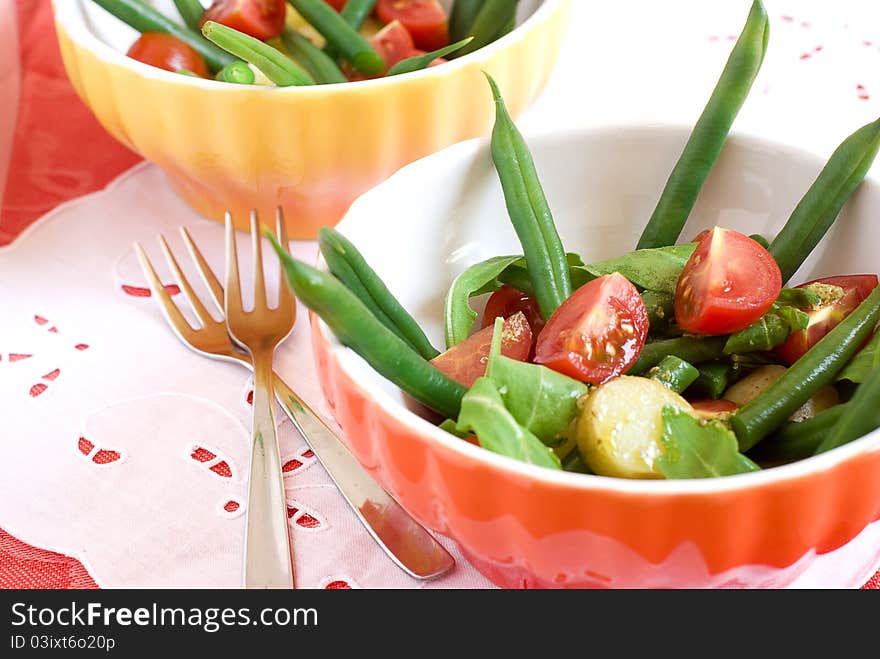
(483, 413)
(692, 449)
(860, 366)
(419, 62)
(451, 427)
(653, 269)
(543, 401)
(478, 279)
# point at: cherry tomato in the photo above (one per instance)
(167, 52)
(506, 301)
(392, 42)
(728, 283)
(262, 19)
(338, 5)
(597, 333)
(467, 361)
(855, 289)
(425, 19)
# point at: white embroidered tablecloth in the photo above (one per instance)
(128, 452)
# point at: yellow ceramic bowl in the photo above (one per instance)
(311, 150)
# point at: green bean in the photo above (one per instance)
(356, 327)
(320, 66)
(462, 16)
(801, 298)
(796, 441)
(489, 24)
(693, 349)
(820, 206)
(709, 133)
(191, 12)
(144, 18)
(766, 333)
(816, 368)
(274, 64)
(342, 36)
(238, 73)
(419, 62)
(354, 13)
(529, 212)
(862, 414)
(673, 373)
(188, 73)
(713, 379)
(350, 267)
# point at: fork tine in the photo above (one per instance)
(232, 298)
(193, 299)
(285, 297)
(208, 276)
(172, 313)
(259, 281)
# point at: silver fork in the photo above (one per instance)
(267, 559)
(405, 541)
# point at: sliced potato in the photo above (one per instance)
(756, 382)
(619, 426)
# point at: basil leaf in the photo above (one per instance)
(478, 279)
(517, 274)
(692, 449)
(419, 62)
(483, 412)
(541, 400)
(860, 366)
(656, 269)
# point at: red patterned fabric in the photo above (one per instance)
(60, 152)
(24, 566)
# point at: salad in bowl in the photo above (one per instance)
(680, 359)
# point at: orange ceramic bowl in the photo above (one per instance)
(526, 526)
(311, 150)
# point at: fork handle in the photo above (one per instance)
(408, 543)
(268, 561)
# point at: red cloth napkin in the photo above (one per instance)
(59, 152)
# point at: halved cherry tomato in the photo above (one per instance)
(263, 19)
(506, 301)
(467, 361)
(597, 333)
(338, 5)
(855, 289)
(425, 19)
(728, 283)
(167, 52)
(392, 42)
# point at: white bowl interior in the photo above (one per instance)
(119, 36)
(438, 216)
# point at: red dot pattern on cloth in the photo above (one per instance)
(139, 291)
(222, 469)
(339, 584)
(101, 456)
(231, 506)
